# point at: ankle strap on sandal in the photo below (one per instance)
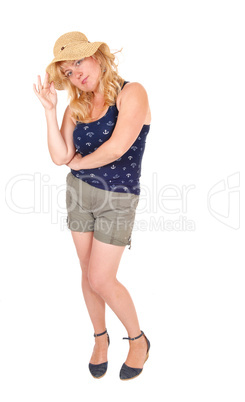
(102, 333)
(137, 337)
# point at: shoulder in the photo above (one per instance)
(132, 92)
(68, 115)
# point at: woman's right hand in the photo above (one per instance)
(46, 93)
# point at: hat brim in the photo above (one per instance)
(70, 52)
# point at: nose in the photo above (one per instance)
(78, 74)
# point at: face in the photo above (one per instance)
(85, 74)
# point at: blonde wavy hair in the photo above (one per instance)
(110, 85)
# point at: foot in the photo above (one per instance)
(137, 353)
(100, 350)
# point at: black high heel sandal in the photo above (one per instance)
(127, 373)
(99, 370)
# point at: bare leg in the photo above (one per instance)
(95, 304)
(103, 266)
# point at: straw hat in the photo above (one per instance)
(70, 46)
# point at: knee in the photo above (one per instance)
(84, 267)
(98, 282)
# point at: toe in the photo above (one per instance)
(127, 372)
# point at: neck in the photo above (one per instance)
(98, 98)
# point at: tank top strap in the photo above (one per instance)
(125, 82)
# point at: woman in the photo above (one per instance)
(102, 140)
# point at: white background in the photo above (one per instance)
(186, 274)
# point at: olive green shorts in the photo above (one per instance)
(110, 215)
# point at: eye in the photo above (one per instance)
(78, 62)
(68, 74)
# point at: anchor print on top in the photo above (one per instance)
(122, 174)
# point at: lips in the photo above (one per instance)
(84, 81)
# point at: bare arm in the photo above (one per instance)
(60, 142)
(132, 113)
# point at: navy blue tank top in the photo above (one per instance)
(122, 175)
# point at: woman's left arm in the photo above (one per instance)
(133, 107)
